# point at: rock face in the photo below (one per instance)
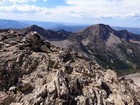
(32, 76)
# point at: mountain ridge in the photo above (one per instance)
(11, 24)
(55, 25)
(46, 33)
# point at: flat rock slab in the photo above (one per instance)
(135, 77)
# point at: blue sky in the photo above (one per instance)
(113, 12)
(49, 3)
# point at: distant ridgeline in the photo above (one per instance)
(55, 25)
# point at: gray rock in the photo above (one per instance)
(12, 89)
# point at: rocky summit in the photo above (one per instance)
(34, 72)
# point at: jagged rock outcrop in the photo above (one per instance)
(32, 76)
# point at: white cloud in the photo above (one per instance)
(107, 8)
(77, 9)
(17, 1)
(23, 8)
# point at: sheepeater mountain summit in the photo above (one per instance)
(35, 72)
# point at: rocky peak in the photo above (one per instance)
(95, 32)
(46, 34)
(111, 47)
(103, 32)
(101, 27)
(35, 27)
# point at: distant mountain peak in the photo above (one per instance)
(47, 34)
(98, 31)
(34, 27)
(111, 48)
(100, 27)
